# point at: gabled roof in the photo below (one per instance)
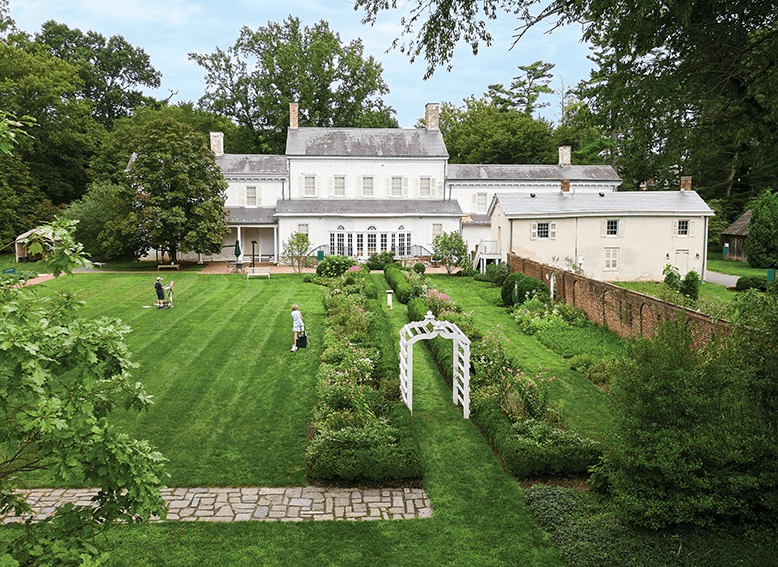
(740, 226)
(628, 203)
(255, 164)
(514, 172)
(365, 142)
(368, 207)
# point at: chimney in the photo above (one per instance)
(217, 143)
(686, 183)
(432, 116)
(564, 156)
(293, 115)
(565, 186)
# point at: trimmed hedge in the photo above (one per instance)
(360, 430)
(398, 282)
(533, 449)
(384, 451)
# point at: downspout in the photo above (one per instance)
(704, 249)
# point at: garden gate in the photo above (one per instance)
(430, 328)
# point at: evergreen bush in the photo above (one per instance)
(518, 287)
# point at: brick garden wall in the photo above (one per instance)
(626, 312)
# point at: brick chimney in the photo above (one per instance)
(217, 143)
(564, 156)
(686, 183)
(565, 186)
(432, 116)
(293, 115)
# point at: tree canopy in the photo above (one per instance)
(481, 132)
(683, 88)
(178, 189)
(111, 70)
(762, 239)
(254, 81)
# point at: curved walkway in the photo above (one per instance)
(260, 504)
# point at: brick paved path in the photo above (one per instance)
(259, 504)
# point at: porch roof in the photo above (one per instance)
(250, 215)
(368, 207)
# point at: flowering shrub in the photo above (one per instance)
(437, 302)
(334, 266)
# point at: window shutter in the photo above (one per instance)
(388, 186)
(316, 186)
(361, 186)
(534, 231)
(433, 188)
(691, 228)
(416, 188)
(474, 207)
(259, 196)
(405, 186)
(675, 227)
(331, 186)
(552, 230)
(604, 227)
(301, 186)
(620, 228)
(242, 197)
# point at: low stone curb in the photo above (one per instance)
(294, 504)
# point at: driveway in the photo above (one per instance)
(721, 279)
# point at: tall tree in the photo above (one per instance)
(45, 88)
(578, 129)
(480, 132)
(525, 89)
(254, 81)
(687, 87)
(111, 70)
(762, 240)
(179, 190)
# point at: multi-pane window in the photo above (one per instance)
(543, 230)
(339, 186)
(360, 245)
(437, 230)
(611, 258)
(612, 227)
(251, 196)
(396, 187)
(480, 203)
(425, 187)
(383, 241)
(302, 228)
(341, 244)
(309, 188)
(683, 227)
(367, 186)
(371, 243)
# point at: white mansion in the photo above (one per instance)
(359, 191)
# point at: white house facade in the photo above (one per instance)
(610, 236)
(361, 191)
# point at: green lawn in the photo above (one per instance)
(734, 268)
(232, 408)
(232, 403)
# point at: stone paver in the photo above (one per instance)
(257, 504)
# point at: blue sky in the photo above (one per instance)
(170, 29)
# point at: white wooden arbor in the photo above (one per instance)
(430, 328)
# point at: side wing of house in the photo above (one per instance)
(611, 237)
